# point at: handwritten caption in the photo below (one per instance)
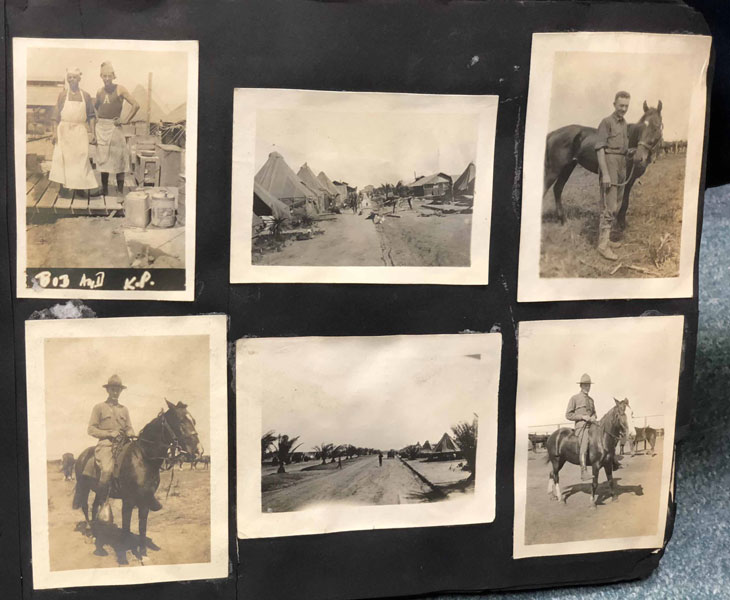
(46, 279)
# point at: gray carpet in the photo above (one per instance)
(697, 560)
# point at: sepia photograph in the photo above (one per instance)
(339, 434)
(105, 142)
(364, 181)
(127, 481)
(596, 403)
(615, 125)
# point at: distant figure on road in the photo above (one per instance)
(410, 204)
(380, 459)
(339, 462)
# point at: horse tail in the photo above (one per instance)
(78, 496)
(577, 143)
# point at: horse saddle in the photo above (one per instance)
(119, 451)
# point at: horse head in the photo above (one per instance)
(630, 419)
(622, 412)
(651, 129)
(182, 424)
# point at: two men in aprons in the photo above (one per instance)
(77, 117)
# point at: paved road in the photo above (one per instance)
(348, 240)
(360, 481)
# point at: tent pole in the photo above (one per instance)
(149, 101)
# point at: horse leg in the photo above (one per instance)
(608, 467)
(560, 182)
(621, 216)
(127, 508)
(558, 493)
(594, 485)
(143, 511)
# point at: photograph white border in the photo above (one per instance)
(533, 288)
(20, 62)
(36, 333)
(668, 329)
(478, 508)
(246, 102)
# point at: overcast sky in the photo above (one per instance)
(585, 84)
(169, 70)
(370, 392)
(152, 368)
(623, 362)
(368, 147)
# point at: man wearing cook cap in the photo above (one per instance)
(109, 421)
(74, 115)
(582, 411)
(112, 154)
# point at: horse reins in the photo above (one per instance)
(633, 163)
(172, 444)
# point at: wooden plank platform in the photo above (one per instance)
(43, 198)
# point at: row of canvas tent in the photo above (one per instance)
(446, 448)
(279, 192)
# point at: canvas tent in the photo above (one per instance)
(267, 205)
(309, 179)
(326, 182)
(277, 178)
(446, 447)
(464, 184)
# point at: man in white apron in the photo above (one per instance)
(112, 154)
(75, 119)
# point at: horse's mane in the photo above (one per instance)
(610, 417)
(149, 425)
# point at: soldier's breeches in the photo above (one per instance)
(105, 462)
(612, 196)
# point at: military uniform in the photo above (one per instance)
(108, 419)
(613, 138)
(580, 409)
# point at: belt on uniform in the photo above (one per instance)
(615, 152)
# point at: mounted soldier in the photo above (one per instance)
(582, 410)
(111, 425)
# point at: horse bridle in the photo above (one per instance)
(173, 445)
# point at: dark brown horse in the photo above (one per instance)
(67, 466)
(575, 145)
(137, 475)
(563, 445)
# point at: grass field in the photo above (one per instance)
(649, 246)
(179, 533)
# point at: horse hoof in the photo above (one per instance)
(100, 552)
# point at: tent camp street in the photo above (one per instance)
(418, 237)
(360, 481)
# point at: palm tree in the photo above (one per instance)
(324, 451)
(267, 441)
(466, 435)
(284, 448)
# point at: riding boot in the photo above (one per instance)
(604, 249)
(155, 504)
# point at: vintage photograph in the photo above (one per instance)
(366, 432)
(125, 472)
(367, 181)
(105, 140)
(596, 402)
(615, 127)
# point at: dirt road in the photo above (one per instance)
(634, 514)
(347, 240)
(360, 481)
(416, 237)
(180, 531)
